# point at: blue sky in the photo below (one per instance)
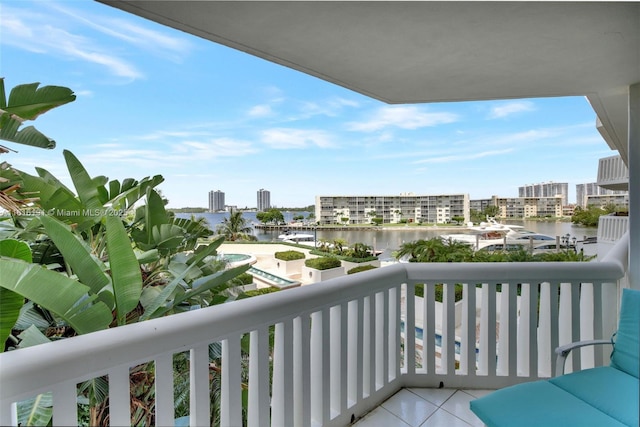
(153, 100)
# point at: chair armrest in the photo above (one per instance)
(564, 350)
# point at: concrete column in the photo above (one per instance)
(633, 164)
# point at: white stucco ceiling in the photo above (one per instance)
(434, 51)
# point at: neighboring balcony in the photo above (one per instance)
(613, 174)
(328, 353)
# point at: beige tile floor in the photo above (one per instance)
(425, 407)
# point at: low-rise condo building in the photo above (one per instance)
(407, 207)
(526, 207)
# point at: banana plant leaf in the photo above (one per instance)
(125, 270)
(65, 297)
(77, 254)
(85, 186)
(26, 102)
(216, 281)
(161, 299)
(11, 302)
(37, 411)
(32, 336)
(29, 316)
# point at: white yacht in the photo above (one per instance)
(298, 238)
(494, 234)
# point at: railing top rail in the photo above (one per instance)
(483, 272)
(88, 356)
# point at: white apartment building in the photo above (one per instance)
(392, 209)
(216, 201)
(263, 200)
(526, 207)
(546, 189)
(584, 191)
(619, 200)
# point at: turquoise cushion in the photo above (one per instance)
(538, 404)
(609, 390)
(627, 345)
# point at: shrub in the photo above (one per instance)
(256, 292)
(243, 279)
(439, 291)
(289, 255)
(360, 268)
(323, 263)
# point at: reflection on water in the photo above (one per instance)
(392, 239)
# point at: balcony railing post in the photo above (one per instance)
(164, 389)
(302, 371)
(231, 399)
(199, 402)
(259, 378)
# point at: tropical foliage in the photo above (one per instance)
(273, 216)
(591, 215)
(103, 254)
(439, 250)
(235, 227)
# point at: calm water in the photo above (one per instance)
(391, 239)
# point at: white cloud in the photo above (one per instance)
(463, 157)
(285, 138)
(509, 108)
(260, 111)
(35, 32)
(215, 148)
(403, 117)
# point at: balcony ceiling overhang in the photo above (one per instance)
(434, 51)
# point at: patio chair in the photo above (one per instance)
(599, 397)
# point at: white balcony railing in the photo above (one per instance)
(613, 173)
(340, 346)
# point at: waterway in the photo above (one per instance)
(391, 238)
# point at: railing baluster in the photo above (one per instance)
(512, 331)
(492, 339)
(533, 330)
(394, 333)
(199, 383)
(119, 397)
(369, 346)
(429, 329)
(598, 333)
(320, 367)
(468, 335)
(360, 350)
(448, 329)
(410, 330)
(338, 357)
(65, 404)
(282, 391)
(165, 412)
(259, 399)
(554, 328)
(575, 323)
(545, 350)
(231, 399)
(354, 344)
(382, 340)
(302, 371)
(586, 324)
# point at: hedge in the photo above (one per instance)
(439, 291)
(289, 255)
(360, 268)
(256, 292)
(323, 263)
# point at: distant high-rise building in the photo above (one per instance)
(546, 189)
(583, 191)
(264, 200)
(216, 201)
